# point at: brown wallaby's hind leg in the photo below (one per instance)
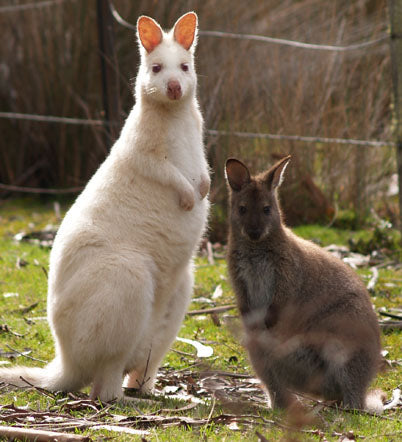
(351, 381)
(279, 394)
(265, 369)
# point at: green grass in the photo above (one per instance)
(30, 283)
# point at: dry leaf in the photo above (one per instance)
(217, 292)
(203, 351)
(395, 401)
(10, 295)
(118, 429)
(347, 437)
(21, 263)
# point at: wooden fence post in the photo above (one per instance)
(109, 69)
(395, 13)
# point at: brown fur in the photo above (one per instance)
(309, 322)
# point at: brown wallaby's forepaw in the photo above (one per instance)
(187, 200)
(204, 186)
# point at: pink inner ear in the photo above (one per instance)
(149, 32)
(184, 30)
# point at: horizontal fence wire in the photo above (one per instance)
(53, 119)
(296, 44)
(211, 132)
(262, 38)
(39, 190)
(26, 6)
(305, 139)
(121, 20)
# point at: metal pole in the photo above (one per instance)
(109, 70)
(395, 13)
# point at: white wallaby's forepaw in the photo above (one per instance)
(187, 199)
(204, 186)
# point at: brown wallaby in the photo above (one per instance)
(309, 323)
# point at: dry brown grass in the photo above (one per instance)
(50, 65)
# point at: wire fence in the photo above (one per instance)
(265, 39)
(211, 132)
(385, 37)
(296, 44)
(27, 6)
(52, 119)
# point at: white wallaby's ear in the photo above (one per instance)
(185, 30)
(237, 174)
(149, 33)
(275, 175)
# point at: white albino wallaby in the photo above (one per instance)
(121, 275)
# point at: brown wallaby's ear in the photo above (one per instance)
(149, 33)
(185, 30)
(237, 174)
(275, 175)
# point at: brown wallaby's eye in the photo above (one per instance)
(242, 210)
(266, 210)
(184, 67)
(156, 68)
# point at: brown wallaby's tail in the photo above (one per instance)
(375, 401)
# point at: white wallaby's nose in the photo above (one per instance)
(174, 90)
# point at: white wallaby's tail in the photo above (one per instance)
(53, 377)
(375, 401)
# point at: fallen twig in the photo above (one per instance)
(6, 329)
(144, 379)
(118, 429)
(28, 434)
(391, 315)
(26, 355)
(373, 280)
(40, 390)
(390, 325)
(182, 353)
(203, 435)
(207, 311)
(210, 255)
(226, 374)
(24, 310)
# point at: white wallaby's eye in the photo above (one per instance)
(266, 210)
(184, 67)
(156, 68)
(242, 210)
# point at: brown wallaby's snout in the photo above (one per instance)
(308, 320)
(254, 211)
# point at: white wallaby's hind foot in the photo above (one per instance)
(141, 382)
(133, 380)
(169, 321)
(107, 384)
(142, 378)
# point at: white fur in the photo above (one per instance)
(121, 272)
(374, 402)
